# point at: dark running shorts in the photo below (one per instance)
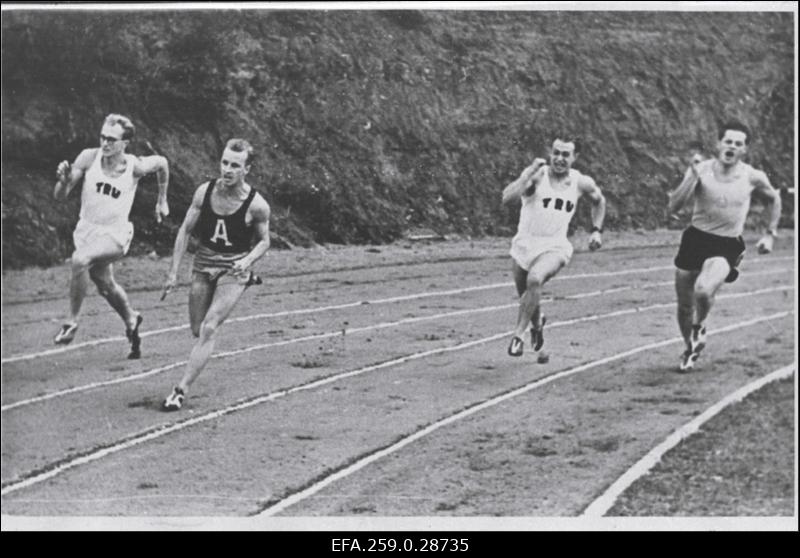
(697, 246)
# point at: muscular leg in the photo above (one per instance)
(542, 270)
(103, 276)
(224, 299)
(684, 288)
(103, 249)
(200, 296)
(711, 278)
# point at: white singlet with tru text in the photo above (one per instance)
(720, 206)
(105, 200)
(547, 212)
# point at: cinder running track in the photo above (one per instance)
(377, 391)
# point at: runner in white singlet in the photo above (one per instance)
(103, 234)
(712, 247)
(549, 195)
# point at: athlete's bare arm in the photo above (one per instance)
(772, 199)
(159, 165)
(67, 176)
(182, 238)
(259, 211)
(526, 182)
(587, 187)
(685, 190)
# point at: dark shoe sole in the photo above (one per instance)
(513, 353)
(68, 341)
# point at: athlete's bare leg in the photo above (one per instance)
(711, 278)
(684, 288)
(103, 250)
(542, 270)
(521, 282)
(103, 276)
(224, 299)
(200, 296)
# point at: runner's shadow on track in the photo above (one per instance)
(148, 403)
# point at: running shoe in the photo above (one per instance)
(174, 400)
(66, 334)
(253, 279)
(688, 358)
(135, 340)
(515, 348)
(698, 339)
(537, 335)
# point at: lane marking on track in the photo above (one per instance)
(371, 457)
(69, 462)
(302, 311)
(600, 506)
(329, 335)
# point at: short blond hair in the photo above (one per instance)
(241, 145)
(128, 129)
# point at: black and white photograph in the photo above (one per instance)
(426, 269)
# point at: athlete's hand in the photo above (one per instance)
(595, 241)
(695, 160)
(169, 284)
(765, 245)
(63, 172)
(241, 266)
(162, 210)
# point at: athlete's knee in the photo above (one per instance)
(101, 279)
(80, 262)
(207, 329)
(703, 290)
(535, 280)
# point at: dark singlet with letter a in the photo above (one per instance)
(225, 233)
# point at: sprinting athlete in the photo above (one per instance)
(712, 247)
(227, 215)
(104, 233)
(549, 195)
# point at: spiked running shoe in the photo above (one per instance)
(537, 335)
(698, 339)
(135, 340)
(688, 358)
(174, 400)
(515, 348)
(253, 279)
(66, 334)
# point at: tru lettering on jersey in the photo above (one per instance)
(107, 189)
(221, 233)
(559, 204)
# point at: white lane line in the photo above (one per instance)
(604, 502)
(374, 456)
(301, 311)
(383, 325)
(67, 463)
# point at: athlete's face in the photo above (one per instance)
(111, 141)
(233, 167)
(562, 155)
(732, 147)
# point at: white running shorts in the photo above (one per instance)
(86, 233)
(525, 249)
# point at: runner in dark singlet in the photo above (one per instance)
(227, 215)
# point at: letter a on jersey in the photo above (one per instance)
(220, 232)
